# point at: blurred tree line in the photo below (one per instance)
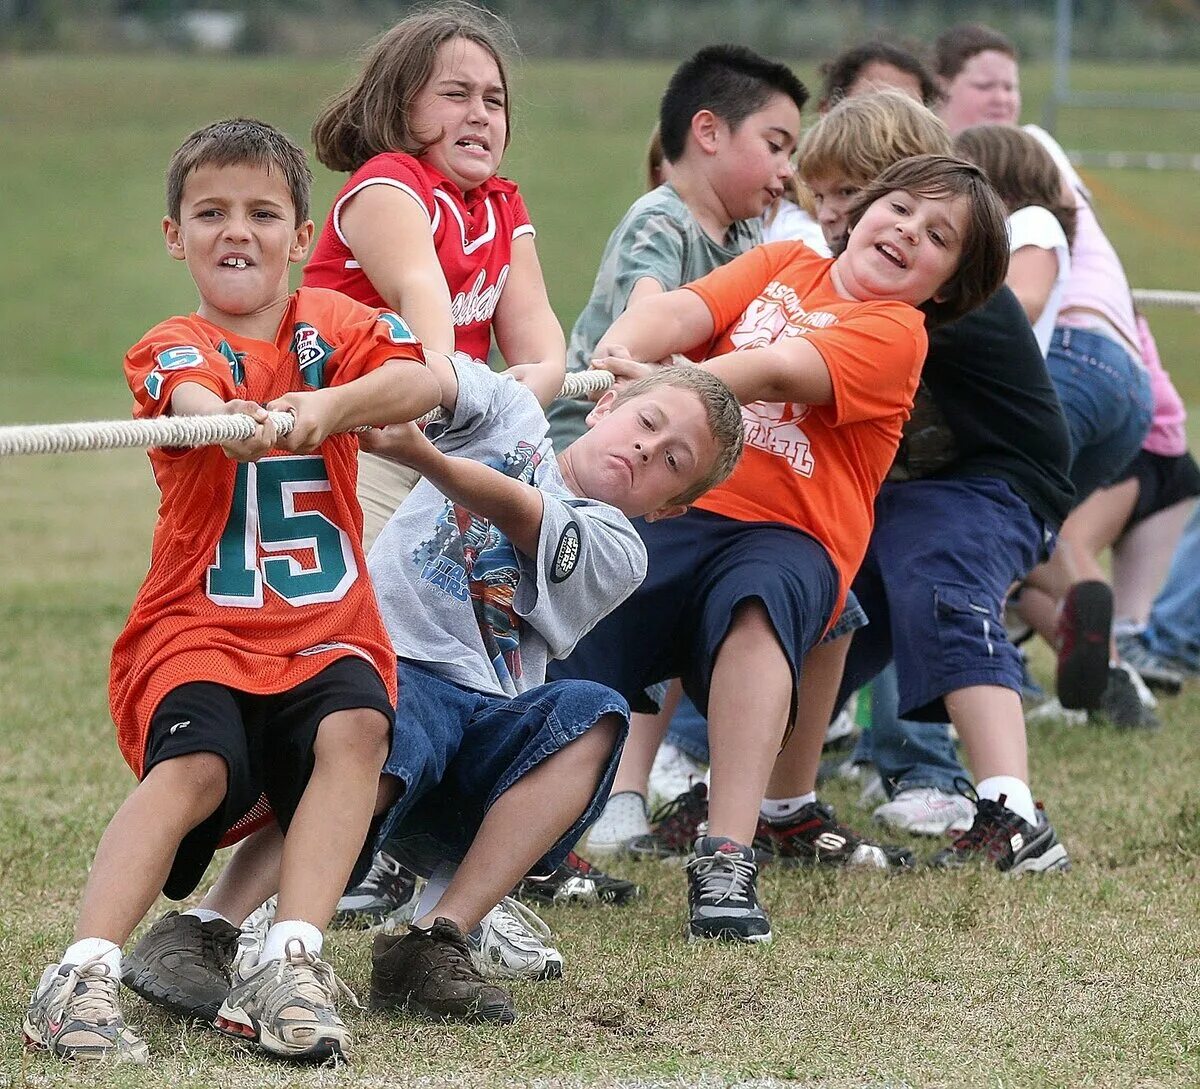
(1103, 29)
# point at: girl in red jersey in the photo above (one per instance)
(423, 225)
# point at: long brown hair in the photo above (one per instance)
(371, 116)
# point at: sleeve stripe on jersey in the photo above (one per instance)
(526, 228)
(470, 247)
(337, 208)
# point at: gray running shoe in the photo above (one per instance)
(387, 890)
(183, 965)
(289, 1006)
(723, 893)
(1160, 674)
(430, 972)
(75, 1013)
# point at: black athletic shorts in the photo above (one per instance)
(265, 741)
(1162, 482)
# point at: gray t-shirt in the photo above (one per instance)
(457, 597)
(659, 238)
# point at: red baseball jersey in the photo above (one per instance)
(473, 234)
(257, 578)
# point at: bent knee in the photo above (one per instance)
(199, 776)
(360, 735)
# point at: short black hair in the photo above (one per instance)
(840, 73)
(729, 80)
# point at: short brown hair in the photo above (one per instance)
(1020, 169)
(983, 262)
(862, 136)
(840, 73)
(721, 408)
(239, 141)
(371, 116)
(954, 47)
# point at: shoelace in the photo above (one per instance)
(519, 925)
(722, 876)
(991, 831)
(383, 870)
(254, 932)
(90, 989)
(456, 960)
(315, 979)
(675, 821)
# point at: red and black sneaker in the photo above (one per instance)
(1007, 841)
(675, 826)
(1084, 631)
(577, 881)
(814, 837)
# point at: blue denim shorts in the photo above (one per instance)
(943, 554)
(1106, 399)
(455, 751)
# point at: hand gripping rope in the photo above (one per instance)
(65, 438)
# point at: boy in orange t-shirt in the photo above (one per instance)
(824, 355)
(254, 661)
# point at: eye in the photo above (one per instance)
(937, 239)
(672, 463)
(775, 147)
(847, 193)
(208, 213)
(264, 213)
(646, 422)
(897, 206)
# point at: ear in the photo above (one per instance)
(173, 237)
(669, 511)
(601, 408)
(706, 128)
(301, 242)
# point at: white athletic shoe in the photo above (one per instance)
(673, 773)
(843, 724)
(927, 811)
(254, 933)
(512, 942)
(623, 818)
(1053, 711)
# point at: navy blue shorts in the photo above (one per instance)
(700, 568)
(456, 750)
(942, 557)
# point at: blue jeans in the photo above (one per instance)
(907, 754)
(1107, 401)
(1174, 627)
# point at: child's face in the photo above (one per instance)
(833, 197)
(905, 247)
(751, 165)
(986, 91)
(642, 454)
(237, 232)
(461, 108)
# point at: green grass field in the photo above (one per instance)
(1092, 979)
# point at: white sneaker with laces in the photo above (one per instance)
(674, 772)
(254, 933)
(623, 818)
(512, 942)
(927, 811)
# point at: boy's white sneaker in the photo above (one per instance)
(254, 933)
(289, 1006)
(623, 818)
(927, 811)
(674, 772)
(75, 1013)
(512, 942)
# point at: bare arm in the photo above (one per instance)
(1032, 271)
(388, 233)
(195, 399)
(511, 506)
(656, 325)
(527, 330)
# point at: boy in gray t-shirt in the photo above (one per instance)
(501, 558)
(728, 122)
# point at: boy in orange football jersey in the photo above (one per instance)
(254, 662)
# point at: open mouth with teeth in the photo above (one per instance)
(472, 143)
(234, 262)
(892, 254)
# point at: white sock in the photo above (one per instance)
(1016, 794)
(431, 894)
(87, 948)
(206, 915)
(779, 809)
(275, 945)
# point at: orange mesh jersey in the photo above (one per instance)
(257, 579)
(815, 467)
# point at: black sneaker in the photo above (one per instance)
(1126, 703)
(813, 837)
(1084, 630)
(183, 965)
(387, 889)
(430, 972)
(723, 895)
(1007, 841)
(675, 826)
(577, 881)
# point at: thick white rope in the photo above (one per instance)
(1186, 300)
(65, 438)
